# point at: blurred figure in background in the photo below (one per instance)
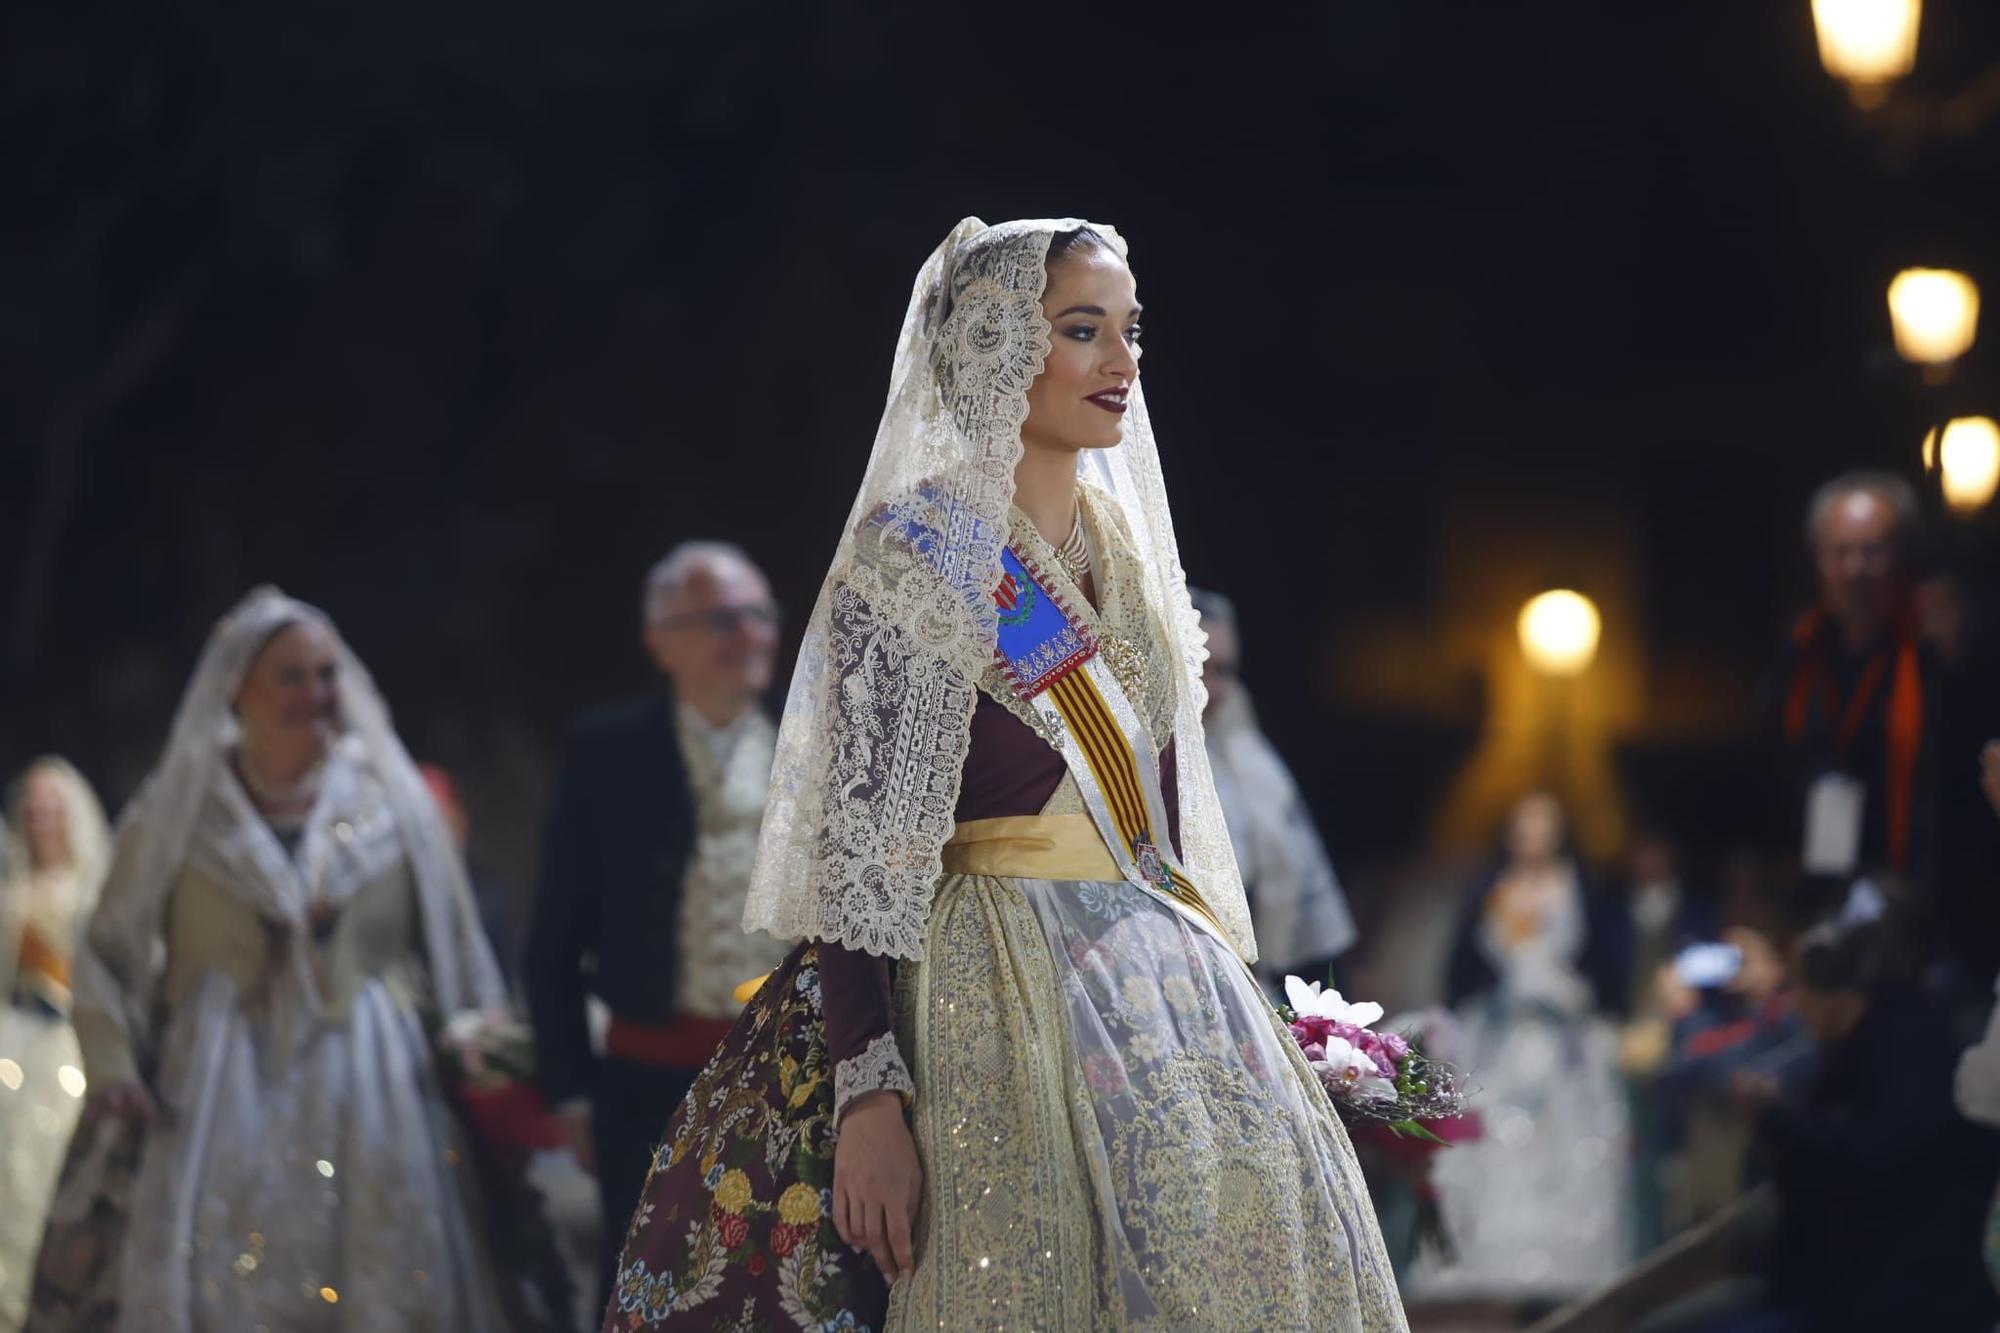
(1881, 1186)
(537, 1197)
(1296, 905)
(645, 865)
(49, 872)
(1736, 1015)
(266, 1141)
(1537, 1207)
(1857, 702)
(1976, 1084)
(1661, 917)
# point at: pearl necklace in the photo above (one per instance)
(268, 794)
(1074, 554)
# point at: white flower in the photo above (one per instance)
(1308, 1001)
(1347, 1069)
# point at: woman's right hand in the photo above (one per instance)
(877, 1182)
(123, 1099)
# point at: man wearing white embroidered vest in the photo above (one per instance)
(644, 867)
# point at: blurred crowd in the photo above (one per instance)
(1804, 1019)
(1787, 1036)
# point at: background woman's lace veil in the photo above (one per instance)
(879, 713)
(156, 827)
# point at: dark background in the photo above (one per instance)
(452, 317)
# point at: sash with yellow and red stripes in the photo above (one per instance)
(1052, 661)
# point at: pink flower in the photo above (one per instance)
(1103, 1072)
(1350, 1073)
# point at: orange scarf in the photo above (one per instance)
(1904, 726)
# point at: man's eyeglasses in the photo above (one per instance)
(724, 619)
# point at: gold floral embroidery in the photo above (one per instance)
(732, 1192)
(1204, 1128)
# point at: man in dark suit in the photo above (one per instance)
(644, 866)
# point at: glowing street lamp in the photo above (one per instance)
(1935, 312)
(1868, 44)
(1969, 459)
(1559, 632)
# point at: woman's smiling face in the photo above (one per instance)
(1079, 399)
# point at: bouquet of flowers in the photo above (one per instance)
(487, 1060)
(1371, 1076)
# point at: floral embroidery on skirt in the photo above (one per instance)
(734, 1229)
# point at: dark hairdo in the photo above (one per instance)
(976, 257)
(1213, 607)
(1075, 239)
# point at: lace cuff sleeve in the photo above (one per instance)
(879, 1067)
(859, 1010)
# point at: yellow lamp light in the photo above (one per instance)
(1935, 312)
(1559, 632)
(1868, 44)
(1969, 458)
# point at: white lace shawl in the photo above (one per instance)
(119, 961)
(878, 718)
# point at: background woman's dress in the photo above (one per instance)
(304, 1169)
(1538, 1207)
(41, 1083)
(269, 985)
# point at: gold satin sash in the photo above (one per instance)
(1031, 847)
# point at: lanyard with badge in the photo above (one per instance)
(1836, 800)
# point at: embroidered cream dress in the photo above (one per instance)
(1116, 1130)
(304, 1173)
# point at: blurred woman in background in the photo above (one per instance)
(1536, 1209)
(1296, 903)
(48, 882)
(265, 1143)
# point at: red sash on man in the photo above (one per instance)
(1903, 727)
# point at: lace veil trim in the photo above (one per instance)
(877, 720)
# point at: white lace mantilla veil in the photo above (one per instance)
(156, 827)
(879, 714)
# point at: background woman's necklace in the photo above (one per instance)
(280, 795)
(1074, 554)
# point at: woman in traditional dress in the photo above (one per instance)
(1537, 1209)
(266, 1144)
(48, 881)
(1020, 1065)
(1296, 902)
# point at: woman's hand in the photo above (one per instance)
(877, 1182)
(125, 1099)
